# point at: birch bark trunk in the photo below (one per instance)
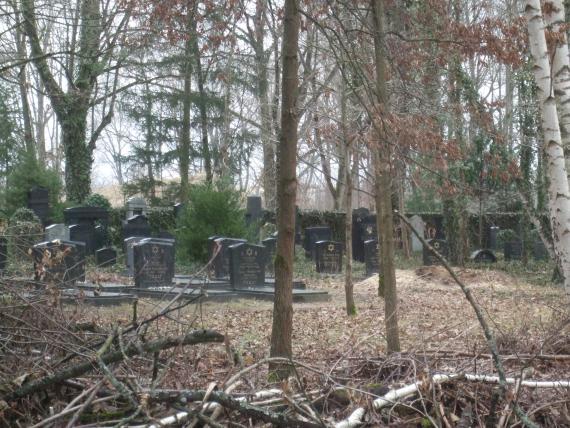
(554, 18)
(558, 191)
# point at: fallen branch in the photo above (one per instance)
(392, 397)
(229, 402)
(193, 338)
(489, 336)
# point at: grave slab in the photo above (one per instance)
(483, 256)
(328, 257)
(59, 262)
(153, 263)
(441, 246)
(312, 236)
(371, 260)
(247, 265)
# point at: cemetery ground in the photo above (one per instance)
(340, 361)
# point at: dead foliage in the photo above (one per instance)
(340, 361)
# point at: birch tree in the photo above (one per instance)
(554, 17)
(558, 191)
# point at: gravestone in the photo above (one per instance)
(270, 245)
(59, 262)
(358, 216)
(313, 235)
(493, 232)
(38, 202)
(222, 260)
(512, 250)
(254, 211)
(105, 257)
(178, 210)
(136, 225)
(86, 215)
(371, 250)
(163, 234)
(439, 229)
(365, 230)
(483, 256)
(153, 263)
(3, 252)
(101, 237)
(328, 256)
(539, 251)
(247, 265)
(83, 233)
(57, 231)
(440, 246)
(136, 206)
(419, 225)
(129, 254)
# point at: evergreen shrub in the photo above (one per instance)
(211, 210)
(26, 174)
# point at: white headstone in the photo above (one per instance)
(418, 224)
(57, 231)
(136, 206)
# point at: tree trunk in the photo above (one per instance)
(202, 106)
(78, 157)
(23, 86)
(149, 146)
(555, 19)
(287, 192)
(383, 191)
(72, 107)
(558, 191)
(184, 145)
(348, 173)
(261, 60)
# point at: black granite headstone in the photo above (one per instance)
(439, 229)
(101, 237)
(493, 232)
(270, 245)
(106, 257)
(222, 260)
(163, 234)
(83, 233)
(358, 215)
(253, 211)
(86, 215)
(371, 250)
(136, 225)
(313, 235)
(363, 229)
(539, 251)
(440, 246)
(153, 263)
(328, 255)
(3, 252)
(59, 262)
(512, 250)
(178, 210)
(38, 202)
(247, 265)
(483, 256)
